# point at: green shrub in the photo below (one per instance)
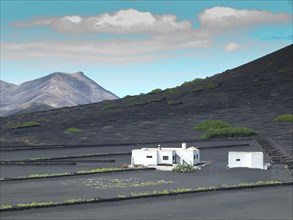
(101, 170)
(185, 168)
(73, 130)
(155, 91)
(147, 102)
(3, 207)
(107, 107)
(73, 201)
(192, 82)
(211, 124)
(129, 97)
(26, 124)
(171, 91)
(284, 118)
(207, 87)
(228, 133)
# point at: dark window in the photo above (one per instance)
(165, 158)
(237, 159)
(173, 157)
(149, 156)
(195, 156)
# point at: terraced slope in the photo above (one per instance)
(251, 95)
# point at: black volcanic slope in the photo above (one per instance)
(251, 95)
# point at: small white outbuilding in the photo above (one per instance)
(253, 160)
(165, 156)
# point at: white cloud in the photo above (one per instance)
(232, 47)
(128, 21)
(111, 51)
(162, 34)
(131, 21)
(221, 18)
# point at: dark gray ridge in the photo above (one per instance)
(251, 95)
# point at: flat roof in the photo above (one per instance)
(166, 149)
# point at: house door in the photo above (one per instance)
(177, 159)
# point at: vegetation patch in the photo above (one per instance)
(284, 118)
(155, 91)
(81, 172)
(199, 189)
(185, 168)
(185, 84)
(147, 102)
(221, 129)
(112, 183)
(26, 124)
(171, 91)
(228, 133)
(73, 131)
(101, 170)
(206, 87)
(108, 107)
(129, 97)
(211, 124)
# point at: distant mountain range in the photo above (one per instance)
(52, 91)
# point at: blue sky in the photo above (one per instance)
(132, 47)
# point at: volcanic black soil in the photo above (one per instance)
(251, 95)
(245, 204)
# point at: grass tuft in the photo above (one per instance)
(220, 129)
(73, 131)
(155, 91)
(26, 124)
(191, 82)
(284, 118)
(206, 87)
(211, 124)
(108, 107)
(185, 168)
(171, 91)
(228, 133)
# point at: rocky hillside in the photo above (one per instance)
(53, 91)
(251, 95)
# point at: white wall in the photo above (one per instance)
(167, 153)
(196, 160)
(257, 160)
(140, 157)
(188, 156)
(245, 159)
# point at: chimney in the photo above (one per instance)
(183, 145)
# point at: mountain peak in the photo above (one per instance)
(79, 73)
(57, 89)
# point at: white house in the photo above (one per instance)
(165, 156)
(246, 159)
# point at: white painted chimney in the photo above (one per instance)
(183, 145)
